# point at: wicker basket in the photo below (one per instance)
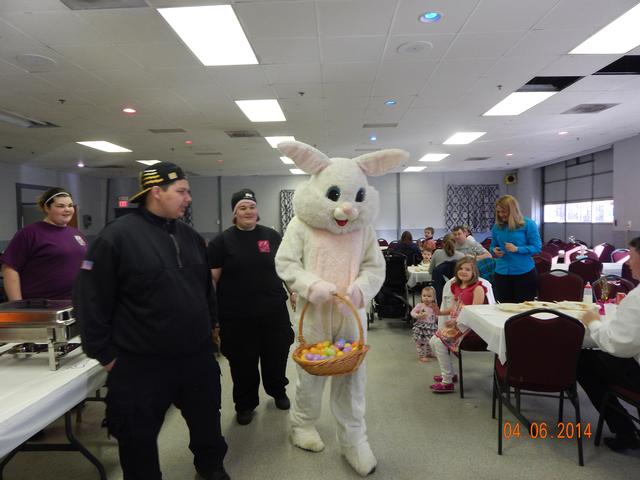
(347, 363)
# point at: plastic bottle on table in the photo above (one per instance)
(587, 295)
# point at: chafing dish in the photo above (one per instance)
(37, 321)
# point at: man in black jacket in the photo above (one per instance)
(145, 302)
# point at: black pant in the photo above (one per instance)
(249, 341)
(515, 288)
(141, 390)
(596, 370)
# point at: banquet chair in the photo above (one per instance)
(611, 400)
(604, 251)
(382, 242)
(558, 285)
(393, 244)
(471, 341)
(552, 250)
(571, 248)
(542, 262)
(589, 269)
(542, 359)
(620, 255)
(615, 284)
(486, 243)
(626, 273)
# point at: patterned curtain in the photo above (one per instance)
(472, 205)
(286, 209)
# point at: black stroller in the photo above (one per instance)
(392, 299)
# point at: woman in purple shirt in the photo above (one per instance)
(43, 258)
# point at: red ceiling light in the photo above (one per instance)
(188, 142)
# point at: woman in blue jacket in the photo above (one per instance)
(515, 238)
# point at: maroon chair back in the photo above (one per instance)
(615, 285)
(578, 254)
(486, 243)
(626, 273)
(620, 255)
(393, 244)
(382, 242)
(604, 251)
(556, 241)
(551, 249)
(542, 354)
(558, 285)
(589, 269)
(571, 248)
(439, 243)
(543, 262)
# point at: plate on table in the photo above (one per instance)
(580, 306)
(513, 307)
(540, 304)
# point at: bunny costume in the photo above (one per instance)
(329, 247)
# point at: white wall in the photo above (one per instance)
(626, 181)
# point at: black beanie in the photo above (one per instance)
(244, 194)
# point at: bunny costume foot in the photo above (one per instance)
(306, 438)
(361, 458)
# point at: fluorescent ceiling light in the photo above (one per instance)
(148, 162)
(274, 141)
(105, 146)
(213, 33)
(414, 169)
(462, 138)
(261, 110)
(297, 171)
(287, 160)
(518, 102)
(619, 36)
(434, 157)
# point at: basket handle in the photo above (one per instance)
(351, 308)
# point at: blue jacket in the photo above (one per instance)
(526, 238)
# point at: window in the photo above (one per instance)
(597, 211)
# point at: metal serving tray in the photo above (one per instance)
(39, 321)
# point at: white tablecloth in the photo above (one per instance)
(32, 396)
(417, 276)
(607, 268)
(488, 322)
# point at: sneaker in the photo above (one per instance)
(282, 402)
(244, 417)
(438, 378)
(620, 443)
(443, 388)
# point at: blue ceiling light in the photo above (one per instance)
(390, 103)
(373, 138)
(430, 17)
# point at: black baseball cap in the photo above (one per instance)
(154, 175)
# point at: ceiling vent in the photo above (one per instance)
(591, 107)
(103, 4)
(380, 125)
(242, 133)
(167, 130)
(22, 121)
(207, 153)
(476, 159)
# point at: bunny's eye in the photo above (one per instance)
(333, 193)
(360, 195)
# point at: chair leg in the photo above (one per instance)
(576, 405)
(560, 410)
(493, 398)
(499, 420)
(517, 393)
(603, 409)
(460, 374)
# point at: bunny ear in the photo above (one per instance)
(305, 156)
(378, 163)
